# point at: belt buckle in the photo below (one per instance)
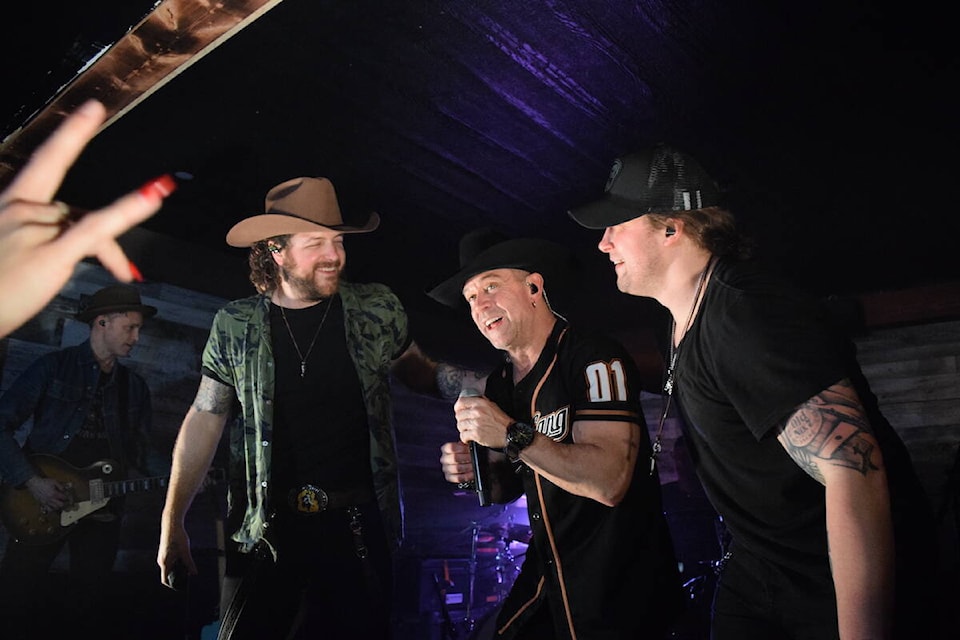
(309, 499)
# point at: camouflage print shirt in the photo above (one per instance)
(239, 352)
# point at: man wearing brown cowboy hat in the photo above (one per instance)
(307, 358)
(560, 420)
(86, 407)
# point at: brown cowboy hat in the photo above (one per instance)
(486, 249)
(113, 299)
(296, 206)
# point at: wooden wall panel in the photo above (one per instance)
(913, 371)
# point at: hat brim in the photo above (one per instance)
(606, 212)
(268, 225)
(527, 254)
(89, 314)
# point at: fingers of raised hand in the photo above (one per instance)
(40, 178)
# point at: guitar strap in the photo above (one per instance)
(123, 417)
(123, 391)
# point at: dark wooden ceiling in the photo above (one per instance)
(830, 123)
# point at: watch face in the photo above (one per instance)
(520, 435)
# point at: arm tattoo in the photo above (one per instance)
(213, 397)
(449, 380)
(830, 428)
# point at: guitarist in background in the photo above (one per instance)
(86, 407)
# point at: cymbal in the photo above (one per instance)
(489, 551)
(510, 532)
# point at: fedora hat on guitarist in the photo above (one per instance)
(114, 299)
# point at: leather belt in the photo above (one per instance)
(310, 499)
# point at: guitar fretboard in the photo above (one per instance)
(121, 487)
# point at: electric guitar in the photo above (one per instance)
(90, 489)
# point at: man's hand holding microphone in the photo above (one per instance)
(481, 424)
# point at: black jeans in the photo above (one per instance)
(756, 600)
(317, 588)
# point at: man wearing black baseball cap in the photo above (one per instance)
(85, 408)
(784, 430)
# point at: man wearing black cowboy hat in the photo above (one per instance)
(85, 407)
(560, 420)
(308, 359)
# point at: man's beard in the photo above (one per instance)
(307, 288)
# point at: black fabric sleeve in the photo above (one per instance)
(771, 350)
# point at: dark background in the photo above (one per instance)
(832, 126)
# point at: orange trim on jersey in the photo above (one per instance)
(526, 605)
(546, 374)
(556, 557)
(546, 518)
(613, 414)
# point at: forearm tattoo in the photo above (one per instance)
(213, 397)
(451, 379)
(830, 428)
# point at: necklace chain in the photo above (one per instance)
(675, 344)
(303, 357)
(657, 446)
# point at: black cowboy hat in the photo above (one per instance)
(113, 299)
(486, 249)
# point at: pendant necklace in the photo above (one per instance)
(304, 356)
(657, 446)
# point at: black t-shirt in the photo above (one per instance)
(321, 435)
(756, 351)
(92, 442)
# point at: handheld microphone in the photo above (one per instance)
(177, 578)
(482, 497)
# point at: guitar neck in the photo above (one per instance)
(116, 488)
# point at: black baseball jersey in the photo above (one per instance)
(606, 572)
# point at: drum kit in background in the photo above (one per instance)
(469, 603)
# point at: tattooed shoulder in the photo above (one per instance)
(830, 429)
(213, 397)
